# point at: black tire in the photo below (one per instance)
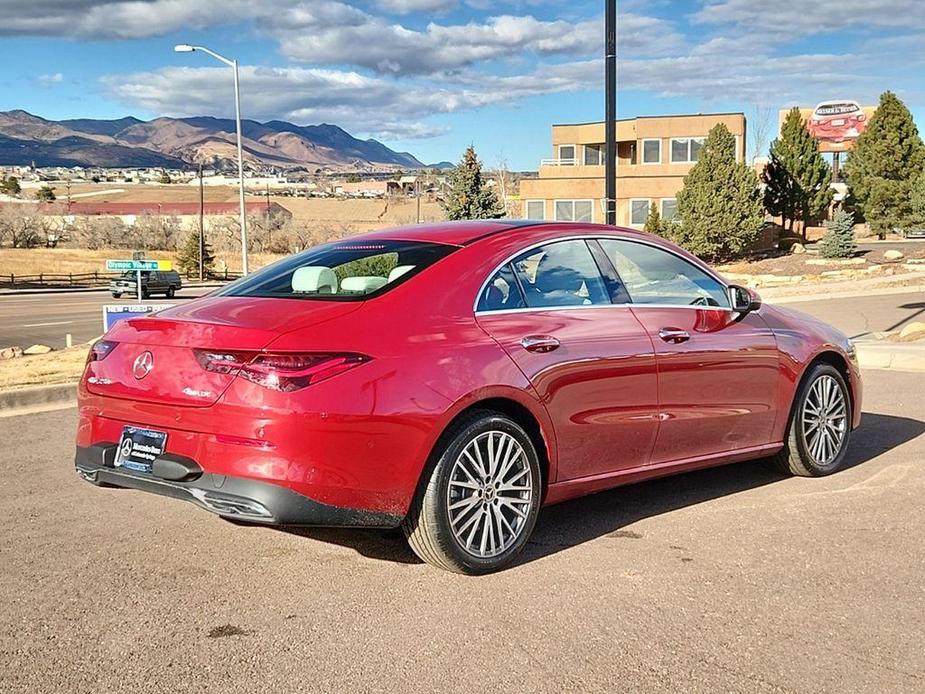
(428, 527)
(116, 296)
(796, 458)
(171, 292)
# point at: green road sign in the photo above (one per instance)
(132, 265)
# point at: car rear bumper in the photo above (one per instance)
(236, 498)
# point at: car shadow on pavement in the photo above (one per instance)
(581, 520)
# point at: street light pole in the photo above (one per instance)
(610, 111)
(233, 64)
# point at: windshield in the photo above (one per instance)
(340, 271)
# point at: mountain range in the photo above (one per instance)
(186, 142)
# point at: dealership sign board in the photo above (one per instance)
(835, 124)
(113, 313)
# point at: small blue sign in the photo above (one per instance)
(113, 313)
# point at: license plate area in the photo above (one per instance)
(139, 447)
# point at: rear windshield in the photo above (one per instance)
(341, 271)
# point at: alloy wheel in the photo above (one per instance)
(489, 494)
(825, 420)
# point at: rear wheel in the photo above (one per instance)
(820, 425)
(482, 498)
(116, 296)
(170, 292)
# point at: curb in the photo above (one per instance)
(37, 397)
(894, 357)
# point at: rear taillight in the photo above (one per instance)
(284, 372)
(100, 350)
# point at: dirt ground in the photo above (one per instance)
(790, 264)
(63, 366)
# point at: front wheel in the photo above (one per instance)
(170, 292)
(481, 501)
(819, 427)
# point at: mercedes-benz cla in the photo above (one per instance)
(452, 379)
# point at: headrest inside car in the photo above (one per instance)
(363, 285)
(314, 279)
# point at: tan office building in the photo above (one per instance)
(654, 154)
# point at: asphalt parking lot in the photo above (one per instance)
(732, 579)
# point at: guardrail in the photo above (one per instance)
(77, 280)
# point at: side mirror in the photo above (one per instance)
(742, 299)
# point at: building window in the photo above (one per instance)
(536, 209)
(685, 150)
(669, 208)
(651, 151)
(574, 210)
(595, 155)
(567, 155)
(639, 211)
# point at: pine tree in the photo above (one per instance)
(917, 220)
(838, 241)
(887, 159)
(719, 208)
(468, 197)
(10, 186)
(188, 257)
(797, 178)
(45, 194)
(654, 223)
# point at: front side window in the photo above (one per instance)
(574, 210)
(536, 209)
(651, 151)
(639, 211)
(560, 274)
(340, 271)
(655, 276)
(686, 150)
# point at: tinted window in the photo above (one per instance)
(501, 293)
(654, 276)
(560, 274)
(651, 151)
(340, 271)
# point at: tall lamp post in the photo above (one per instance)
(186, 48)
(610, 109)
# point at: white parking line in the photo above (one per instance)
(42, 325)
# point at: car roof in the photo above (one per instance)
(464, 233)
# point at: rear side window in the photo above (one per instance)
(345, 271)
(654, 276)
(560, 274)
(501, 293)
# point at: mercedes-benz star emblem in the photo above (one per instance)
(143, 365)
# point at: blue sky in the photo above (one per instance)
(432, 76)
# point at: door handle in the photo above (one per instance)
(674, 335)
(539, 343)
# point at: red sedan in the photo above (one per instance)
(454, 378)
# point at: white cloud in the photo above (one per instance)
(50, 80)
(409, 6)
(804, 17)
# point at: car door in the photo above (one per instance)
(590, 361)
(717, 370)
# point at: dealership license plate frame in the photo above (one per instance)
(139, 447)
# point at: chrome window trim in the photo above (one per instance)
(596, 237)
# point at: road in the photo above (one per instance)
(28, 319)
(46, 318)
(734, 579)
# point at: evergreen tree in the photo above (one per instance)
(918, 203)
(45, 194)
(797, 178)
(164, 178)
(838, 241)
(10, 186)
(887, 159)
(467, 197)
(188, 257)
(719, 208)
(654, 223)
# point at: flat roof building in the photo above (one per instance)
(654, 154)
